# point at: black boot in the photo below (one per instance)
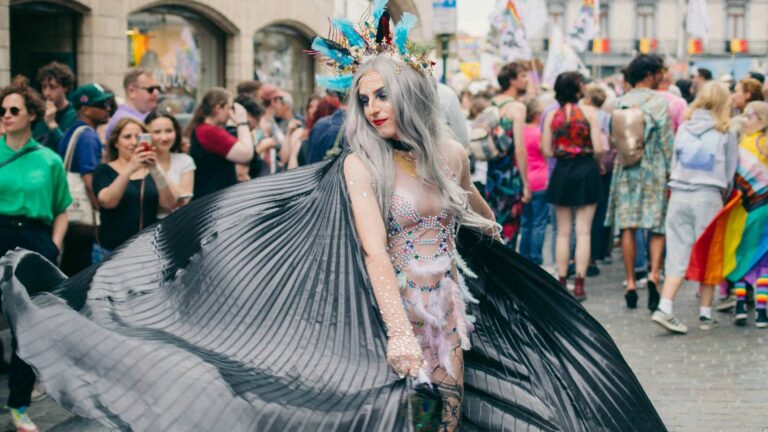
(631, 298)
(653, 296)
(740, 315)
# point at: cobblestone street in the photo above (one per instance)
(701, 382)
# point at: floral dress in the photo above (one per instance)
(638, 197)
(504, 189)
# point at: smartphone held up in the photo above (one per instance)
(145, 142)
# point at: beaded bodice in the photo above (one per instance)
(412, 236)
(419, 229)
(421, 235)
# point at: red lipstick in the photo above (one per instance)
(379, 122)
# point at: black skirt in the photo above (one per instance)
(574, 182)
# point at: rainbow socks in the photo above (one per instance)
(740, 291)
(761, 298)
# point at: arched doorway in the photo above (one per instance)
(55, 36)
(279, 59)
(185, 49)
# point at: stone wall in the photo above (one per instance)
(102, 53)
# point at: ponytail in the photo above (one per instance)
(216, 96)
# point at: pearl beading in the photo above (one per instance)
(443, 227)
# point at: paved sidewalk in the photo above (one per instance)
(701, 382)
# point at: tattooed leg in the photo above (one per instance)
(452, 391)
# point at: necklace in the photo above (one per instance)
(406, 163)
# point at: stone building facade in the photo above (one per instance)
(625, 22)
(194, 44)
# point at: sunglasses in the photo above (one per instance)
(102, 105)
(152, 89)
(13, 110)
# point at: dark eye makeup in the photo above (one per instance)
(380, 94)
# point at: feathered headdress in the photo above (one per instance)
(348, 46)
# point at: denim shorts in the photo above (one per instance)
(688, 215)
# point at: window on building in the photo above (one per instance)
(279, 58)
(646, 20)
(183, 49)
(735, 20)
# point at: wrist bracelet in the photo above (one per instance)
(242, 124)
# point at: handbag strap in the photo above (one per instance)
(70, 153)
(24, 152)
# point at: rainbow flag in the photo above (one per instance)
(733, 243)
(512, 8)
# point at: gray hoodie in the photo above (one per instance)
(703, 157)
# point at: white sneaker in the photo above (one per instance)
(726, 304)
(669, 322)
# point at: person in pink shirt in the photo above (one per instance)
(677, 105)
(536, 212)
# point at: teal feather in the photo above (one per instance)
(378, 10)
(346, 28)
(333, 51)
(341, 83)
(406, 23)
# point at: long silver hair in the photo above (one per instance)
(419, 126)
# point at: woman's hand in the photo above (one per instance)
(404, 355)
(526, 198)
(141, 159)
(266, 144)
(238, 115)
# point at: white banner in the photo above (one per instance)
(561, 58)
(587, 25)
(534, 16)
(513, 43)
(697, 19)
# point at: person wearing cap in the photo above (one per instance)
(141, 94)
(93, 105)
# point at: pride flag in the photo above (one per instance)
(733, 243)
(512, 8)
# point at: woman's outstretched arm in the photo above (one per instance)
(404, 353)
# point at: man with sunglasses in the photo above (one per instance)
(141, 94)
(93, 104)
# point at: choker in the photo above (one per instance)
(399, 145)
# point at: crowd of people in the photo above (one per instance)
(642, 159)
(81, 174)
(645, 161)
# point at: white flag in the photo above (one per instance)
(587, 25)
(697, 19)
(561, 58)
(513, 43)
(534, 16)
